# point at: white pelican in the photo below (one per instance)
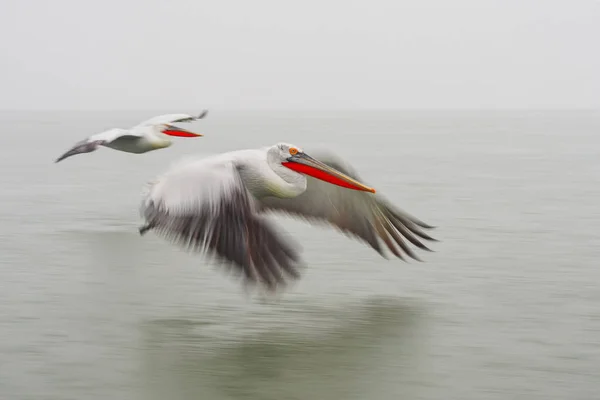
(216, 205)
(152, 134)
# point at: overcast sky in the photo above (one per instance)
(225, 54)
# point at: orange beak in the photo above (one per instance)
(305, 164)
(172, 130)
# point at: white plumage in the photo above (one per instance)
(217, 204)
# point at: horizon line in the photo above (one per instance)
(346, 109)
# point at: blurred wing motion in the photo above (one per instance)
(204, 205)
(365, 216)
(172, 119)
(218, 204)
(100, 139)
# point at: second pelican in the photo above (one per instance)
(152, 134)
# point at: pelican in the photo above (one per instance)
(217, 204)
(152, 134)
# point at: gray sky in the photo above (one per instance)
(225, 54)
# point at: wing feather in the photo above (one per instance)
(367, 217)
(92, 143)
(171, 119)
(204, 206)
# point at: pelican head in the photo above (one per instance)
(294, 158)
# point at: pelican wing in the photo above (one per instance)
(91, 143)
(171, 119)
(204, 206)
(370, 218)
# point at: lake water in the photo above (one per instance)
(507, 307)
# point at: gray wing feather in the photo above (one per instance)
(85, 146)
(100, 139)
(367, 217)
(207, 208)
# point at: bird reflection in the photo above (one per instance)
(365, 343)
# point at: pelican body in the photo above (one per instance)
(152, 134)
(217, 204)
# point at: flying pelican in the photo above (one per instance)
(216, 205)
(152, 134)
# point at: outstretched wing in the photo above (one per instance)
(204, 206)
(370, 218)
(172, 119)
(93, 142)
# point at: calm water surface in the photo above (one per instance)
(508, 307)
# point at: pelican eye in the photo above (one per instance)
(293, 151)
